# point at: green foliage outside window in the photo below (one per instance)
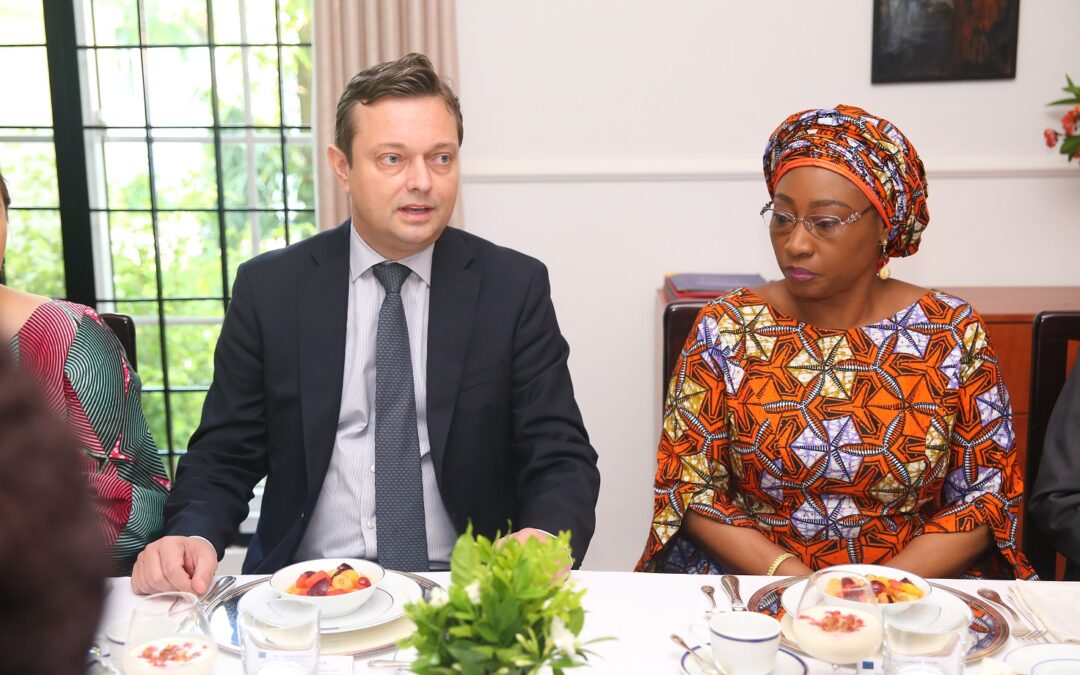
(253, 164)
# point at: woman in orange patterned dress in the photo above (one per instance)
(837, 415)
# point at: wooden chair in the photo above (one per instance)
(123, 328)
(678, 320)
(1051, 360)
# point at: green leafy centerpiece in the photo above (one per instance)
(507, 611)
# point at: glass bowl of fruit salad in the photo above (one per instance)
(896, 590)
(337, 586)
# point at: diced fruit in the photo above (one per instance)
(344, 579)
(320, 587)
(892, 590)
(305, 580)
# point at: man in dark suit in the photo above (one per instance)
(391, 378)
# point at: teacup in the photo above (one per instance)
(742, 643)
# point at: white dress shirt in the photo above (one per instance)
(343, 522)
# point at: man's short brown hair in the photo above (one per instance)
(411, 76)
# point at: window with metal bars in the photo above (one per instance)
(182, 135)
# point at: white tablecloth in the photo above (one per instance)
(640, 610)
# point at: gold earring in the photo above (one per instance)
(883, 263)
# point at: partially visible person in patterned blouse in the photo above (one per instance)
(89, 383)
(837, 415)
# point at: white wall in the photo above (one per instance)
(619, 140)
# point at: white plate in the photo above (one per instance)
(1023, 659)
(792, 594)
(786, 663)
(394, 592)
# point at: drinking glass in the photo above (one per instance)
(927, 639)
(838, 621)
(168, 632)
(280, 638)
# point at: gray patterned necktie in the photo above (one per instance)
(399, 490)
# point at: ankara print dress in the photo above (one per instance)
(839, 445)
(89, 383)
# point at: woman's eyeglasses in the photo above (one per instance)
(821, 225)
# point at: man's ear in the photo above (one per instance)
(339, 164)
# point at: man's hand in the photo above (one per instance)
(527, 533)
(175, 564)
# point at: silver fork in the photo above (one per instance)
(1022, 630)
(1040, 634)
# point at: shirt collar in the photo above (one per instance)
(362, 258)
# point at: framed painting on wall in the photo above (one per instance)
(924, 40)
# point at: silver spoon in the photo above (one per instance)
(706, 667)
(709, 592)
(216, 589)
(1020, 629)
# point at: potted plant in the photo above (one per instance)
(1070, 123)
(508, 610)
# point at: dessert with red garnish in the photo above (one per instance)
(176, 655)
(838, 635)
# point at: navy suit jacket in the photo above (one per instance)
(507, 440)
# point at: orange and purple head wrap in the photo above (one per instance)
(867, 150)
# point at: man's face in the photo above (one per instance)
(403, 181)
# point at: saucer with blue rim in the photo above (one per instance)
(1024, 659)
(786, 662)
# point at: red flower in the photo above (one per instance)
(1068, 122)
(1051, 137)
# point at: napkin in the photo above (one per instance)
(1052, 603)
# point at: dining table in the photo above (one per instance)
(639, 611)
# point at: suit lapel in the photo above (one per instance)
(454, 294)
(324, 300)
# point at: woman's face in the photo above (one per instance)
(815, 267)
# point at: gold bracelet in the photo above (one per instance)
(777, 562)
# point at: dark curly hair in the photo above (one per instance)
(52, 552)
